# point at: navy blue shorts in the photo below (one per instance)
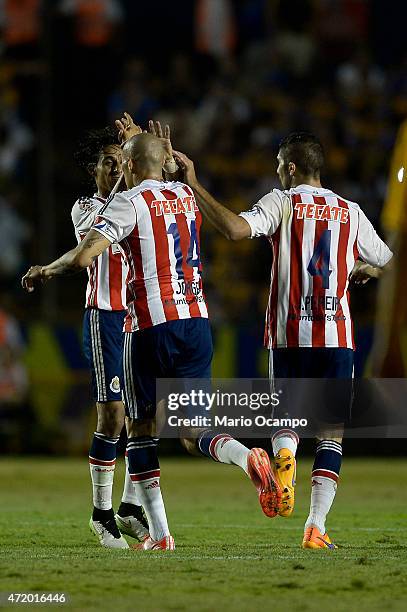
(312, 362)
(175, 349)
(103, 348)
(328, 398)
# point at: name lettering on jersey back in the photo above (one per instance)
(175, 207)
(322, 212)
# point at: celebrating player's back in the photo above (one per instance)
(316, 238)
(157, 224)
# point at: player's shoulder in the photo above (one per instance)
(85, 205)
(321, 191)
(177, 186)
(281, 194)
(155, 187)
(350, 203)
(126, 200)
(274, 197)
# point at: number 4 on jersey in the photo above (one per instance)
(319, 263)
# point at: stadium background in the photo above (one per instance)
(232, 78)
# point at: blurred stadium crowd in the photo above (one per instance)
(231, 78)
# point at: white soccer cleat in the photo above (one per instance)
(108, 533)
(166, 543)
(132, 526)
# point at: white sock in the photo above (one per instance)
(149, 494)
(229, 450)
(285, 438)
(129, 492)
(102, 485)
(322, 495)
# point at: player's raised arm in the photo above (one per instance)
(72, 262)
(171, 170)
(232, 226)
(127, 128)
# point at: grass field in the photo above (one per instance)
(228, 554)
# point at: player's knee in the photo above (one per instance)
(110, 418)
(328, 431)
(190, 446)
(329, 435)
(136, 427)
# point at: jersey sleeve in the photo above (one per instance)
(83, 215)
(116, 219)
(371, 247)
(265, 216)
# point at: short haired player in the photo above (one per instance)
(157, 224)
(316, 236)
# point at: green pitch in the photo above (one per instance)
(229, 556)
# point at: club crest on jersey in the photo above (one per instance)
(322, 212)
(85, 204)
(175, 207)
(115, 385)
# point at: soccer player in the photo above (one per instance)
(99, 155)
(316, 237)
(167, 333)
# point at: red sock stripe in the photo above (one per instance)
(286, 432)
(94, 461)
(326, 474)
(214, 442)
(145, 475)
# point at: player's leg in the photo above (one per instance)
(102, 462)
(102, 454)
(192, 340)
(130, 516)
(324, 479)
(142, 443)
(110, 336)
(283, 364)
(337, 366)
(194, 346)
(255, 462)
(110, 421)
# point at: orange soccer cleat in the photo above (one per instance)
(285, 467)
(166, 543)
(313, 539)
(262, 476)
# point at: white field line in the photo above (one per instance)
(269, 556)
(281, 528)
(248, 527)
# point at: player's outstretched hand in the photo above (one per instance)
(127, 128)
(187, 165)
(362, 272)
(33, 276)
(155, 128)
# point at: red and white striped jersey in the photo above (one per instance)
(157, 225)
(316, 237)
(106, 288)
